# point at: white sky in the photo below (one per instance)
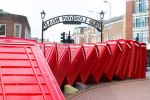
(32, 9)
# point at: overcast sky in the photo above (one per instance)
(32, 9)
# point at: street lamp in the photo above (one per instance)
(105, 1)
(42, 17)
(101, 14)
(101, 19)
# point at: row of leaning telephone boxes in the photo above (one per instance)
(95, 62)
(35, 71)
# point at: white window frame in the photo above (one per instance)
(5, 30)
(27, 34)
(17, 24)
(77, 39)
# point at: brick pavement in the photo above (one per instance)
(137, 89)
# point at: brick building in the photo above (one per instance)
(133, 25)
(113, 29)
(78, 35)
(92, 35)
(86, 35)
(137, 19)
(138, 22)
(12, 25)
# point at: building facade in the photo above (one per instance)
(133, 25)
(86, 35)
(78, 35)
(137, 20)
(112, 29)
(12, 25)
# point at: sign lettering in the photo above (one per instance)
(72, 19)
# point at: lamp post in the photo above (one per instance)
(101, 19)
(42, 17)
(105, 1)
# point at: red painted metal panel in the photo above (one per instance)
(61, 68)
(25, 74)
(116, 50)
(42, 47)
(50, 80)
(124, 59)
(91, 55)
(77, 62)
(17, 40)
(142, 61)
(51, 55)
(133, 64)
(103, 59)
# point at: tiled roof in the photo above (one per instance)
(6, 15)
(117, 18)
(3, 12)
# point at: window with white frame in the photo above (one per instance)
(134, 22)
(141, 6)
(17, 30)
(105, 38)
(27, 33)
(110, 37)
(96, 39)
(78, 40)
(141, 35)
(2, 29)
(145, 36)
(140, 21)
(86, 37)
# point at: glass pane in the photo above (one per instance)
(17, 30)
(2, 29)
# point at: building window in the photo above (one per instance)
(140, 21)
(27, 33)
(146, 21)
(17, 30)
(145, 37)
(110, 37)
(105, 38)
(137, 22)
(118, 36)
(134, 22)
(77, 40)
(141, 36)
(2, 29)
(96, 39)
(86, 38)
(141, 6)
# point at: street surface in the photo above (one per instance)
(135, 89)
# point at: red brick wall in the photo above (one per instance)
(129, 11)
(9, 27)
(116, 29)
(10, 20)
